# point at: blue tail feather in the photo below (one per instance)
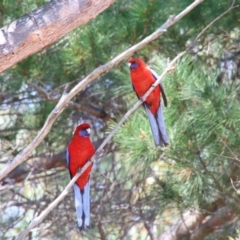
(82, 204)
(158, 127)
(86, 203)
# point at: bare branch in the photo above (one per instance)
(94, 112)
(66, 98)
(237, 191)
(37, 219)
(139, 102)
(184, 226)
(21, 157)
(216, 19)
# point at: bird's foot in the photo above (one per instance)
(79, 170)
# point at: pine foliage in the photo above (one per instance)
(137, 190)
(203, 124)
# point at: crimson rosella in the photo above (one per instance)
(79, 151)
(142, 79)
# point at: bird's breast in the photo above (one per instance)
(80, 151)
(142, 81)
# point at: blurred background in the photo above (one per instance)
(138, 191)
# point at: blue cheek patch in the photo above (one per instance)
(83, 133)
(134, 65)
(67, 157)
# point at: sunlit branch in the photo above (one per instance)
(66, 97)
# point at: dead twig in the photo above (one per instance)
(64, 100)
(67, 97)
(93, 76)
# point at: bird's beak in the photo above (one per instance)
(88, 130)
(129, 64)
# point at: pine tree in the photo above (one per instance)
(138, 190)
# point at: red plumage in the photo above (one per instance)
(142, 79)
(79, 151)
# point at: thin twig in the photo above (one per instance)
(229, 149)
(97, 113)
(139, 102)
(67, 97)
(215, 20)
(38, 219)
(61, 105)
(237, 191)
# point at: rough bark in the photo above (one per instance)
(43, 26)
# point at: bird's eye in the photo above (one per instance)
(85, 132)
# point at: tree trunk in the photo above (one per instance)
(43, 26)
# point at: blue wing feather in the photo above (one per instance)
(68, 161)
(67, 157)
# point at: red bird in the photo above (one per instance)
(142, 79)
(79, 151)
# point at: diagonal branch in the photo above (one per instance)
(39, 218)
(64, 100)
(99, 113)
(215, 20)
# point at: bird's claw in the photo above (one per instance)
(79, 170)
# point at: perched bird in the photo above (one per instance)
(142, 79)
(79, 151)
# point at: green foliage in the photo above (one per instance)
(136, 184)
(237, 237)
(135, 140)
(202, 123)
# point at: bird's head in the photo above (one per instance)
(134, 63)
(83, 130)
